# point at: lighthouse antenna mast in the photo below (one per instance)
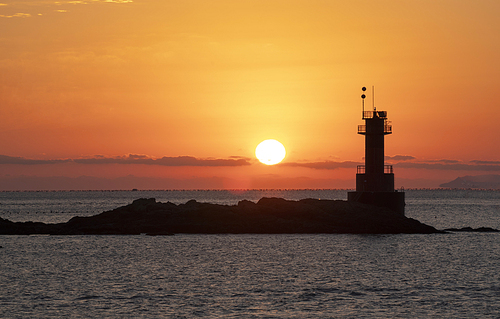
(373, 97)
(363, 96)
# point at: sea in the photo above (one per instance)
(451, 275)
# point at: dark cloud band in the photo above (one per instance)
(324, 165)
(450, 165)
(134, 159)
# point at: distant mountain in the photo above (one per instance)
(479, 181)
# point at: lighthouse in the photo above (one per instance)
(375, 180)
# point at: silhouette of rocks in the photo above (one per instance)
(267, 216)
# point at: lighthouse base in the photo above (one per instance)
(392, 200)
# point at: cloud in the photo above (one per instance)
(192, 161)
(323, 165)
(399, 157)
(25, 161)
(44, 4)
(164, 161)
(16, 15)
(486, 162)
(134, 159)
(446, 161)
(449, 166)
(441, 164)
(444, 164)
(92, 1)
(233, 161)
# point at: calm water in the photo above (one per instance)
(252, 276)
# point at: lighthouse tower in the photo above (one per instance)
(375, 180)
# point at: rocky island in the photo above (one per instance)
(267, 216)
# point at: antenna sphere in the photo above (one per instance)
(363, 96)
(363, 89)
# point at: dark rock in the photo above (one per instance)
(267, 216)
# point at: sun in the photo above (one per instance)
(270, 152)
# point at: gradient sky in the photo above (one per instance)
(186, 89)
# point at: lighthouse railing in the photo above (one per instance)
(361, 169)
(387, 129)
(371, 114)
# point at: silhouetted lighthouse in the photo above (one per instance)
(375, 180)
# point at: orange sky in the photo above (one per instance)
(101, 79)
